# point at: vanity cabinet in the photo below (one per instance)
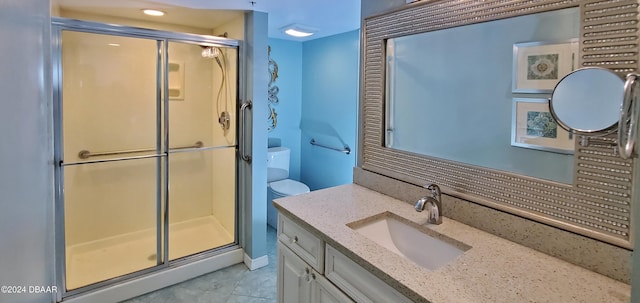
(301, 264)
(298, 282)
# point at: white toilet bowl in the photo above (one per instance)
(279, 185)
(279, 189)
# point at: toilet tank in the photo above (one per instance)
(278, 163)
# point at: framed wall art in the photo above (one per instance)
(538, 66)
(532, 126)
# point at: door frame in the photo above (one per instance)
(162, 39)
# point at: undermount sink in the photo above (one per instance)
(411, 241)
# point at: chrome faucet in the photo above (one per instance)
(433, 204)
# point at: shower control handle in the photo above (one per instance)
(243, 134)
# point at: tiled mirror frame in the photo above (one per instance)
(597, 204)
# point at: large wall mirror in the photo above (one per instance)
(455, 92)
(471, 65)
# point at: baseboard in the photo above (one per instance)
(256, 263)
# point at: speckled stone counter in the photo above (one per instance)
(493, 270)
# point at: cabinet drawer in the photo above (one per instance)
(306, 245)
(357, 282)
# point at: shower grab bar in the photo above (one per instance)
(345, 149)
(61, 163)
(243, 135)
(85, 154)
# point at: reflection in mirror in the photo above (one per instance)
(588, 100)
(449, 93)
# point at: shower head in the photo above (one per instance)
(210, 52)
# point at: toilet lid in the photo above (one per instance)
(288, 187)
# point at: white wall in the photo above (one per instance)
(26, 174)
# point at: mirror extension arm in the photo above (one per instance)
(627, 128)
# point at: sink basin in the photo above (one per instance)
(411, 241)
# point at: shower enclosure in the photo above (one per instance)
(145, 148)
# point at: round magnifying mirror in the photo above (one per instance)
(588, 100)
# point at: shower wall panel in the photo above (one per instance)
(201, 183)
(223, 191)
(103, 112)
(191, 119)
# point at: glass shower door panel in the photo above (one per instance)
(110, 91)
(201, 201)
(202, 86)
(110, 220)
(111, 163)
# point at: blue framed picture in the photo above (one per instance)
(538, 66)
(532, 126)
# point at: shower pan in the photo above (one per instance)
(146, 177)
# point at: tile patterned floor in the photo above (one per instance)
(234, 284)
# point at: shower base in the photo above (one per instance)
(103, 259)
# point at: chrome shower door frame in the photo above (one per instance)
(162, 150)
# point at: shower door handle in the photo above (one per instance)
(243, 135)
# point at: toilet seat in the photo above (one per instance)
(288, 187)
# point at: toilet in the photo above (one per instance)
(278, 184)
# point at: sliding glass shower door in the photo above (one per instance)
(111, 153)
(146, 147)
(202, 96)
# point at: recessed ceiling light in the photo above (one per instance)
(298, 31)
(113, 44)
(153, 12)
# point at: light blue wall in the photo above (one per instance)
(288, 55)
(254, 180)
(330, 69)
(318, 82)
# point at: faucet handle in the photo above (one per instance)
(435, 190)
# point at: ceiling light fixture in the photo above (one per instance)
(298, 31)
(153, 12)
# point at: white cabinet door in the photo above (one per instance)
(294, 284)
(322, 291)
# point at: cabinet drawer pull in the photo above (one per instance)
(307, 277)
(294, 239)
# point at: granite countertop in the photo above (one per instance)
(493, 270)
